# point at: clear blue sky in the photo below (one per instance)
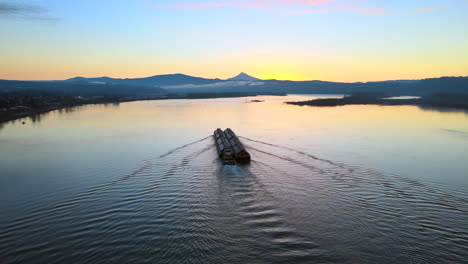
(336, 40)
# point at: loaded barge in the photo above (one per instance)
(229, 147)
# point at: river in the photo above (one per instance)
(140, 182)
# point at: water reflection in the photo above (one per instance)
(457, 133)
(38, 117)
(363, 134)
(68, 110)
(444, 109)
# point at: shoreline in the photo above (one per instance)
(450, 101)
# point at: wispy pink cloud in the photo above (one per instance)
(376, 10)
(428, 9)
(191, 4)
(288, 6)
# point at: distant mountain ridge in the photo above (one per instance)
(243, 83)
(183, 79)
(157, 80)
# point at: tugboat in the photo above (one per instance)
(229, 147)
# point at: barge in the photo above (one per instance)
(230, 149)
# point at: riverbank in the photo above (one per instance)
(453, 101)
(31, 110)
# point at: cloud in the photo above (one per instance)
(349, 7)
(23, 11)
(194, 4)
(285, 6)
(366, 7)
(428, 9)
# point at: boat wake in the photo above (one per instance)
(285, 206)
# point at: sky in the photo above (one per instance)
(330, 40)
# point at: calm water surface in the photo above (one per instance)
(140, 182)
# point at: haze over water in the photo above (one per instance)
(141, 182)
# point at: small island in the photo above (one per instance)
(445, 100)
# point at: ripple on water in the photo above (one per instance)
(286, 206)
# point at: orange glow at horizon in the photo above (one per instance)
(295, 67)
(57, 73)
(283, 64)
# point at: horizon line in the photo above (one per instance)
(259, 79)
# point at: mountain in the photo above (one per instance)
(243, 77)
(181, 83)
(157, 80)
(91, 80)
